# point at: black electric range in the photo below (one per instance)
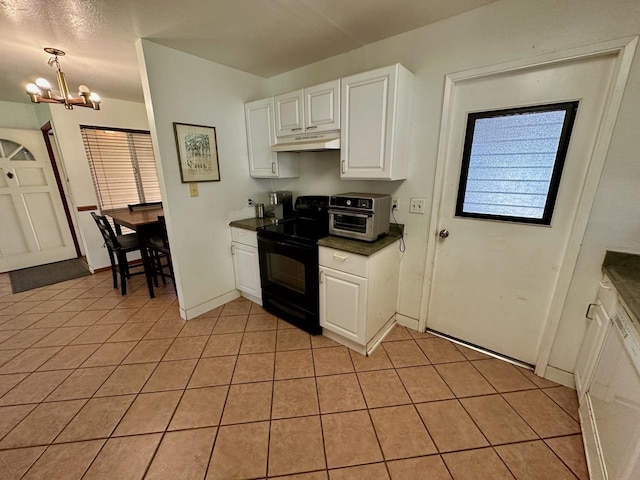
(288, 252)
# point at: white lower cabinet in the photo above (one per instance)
(246, 263)
(358, 296)
(597, 329)
(343, 303)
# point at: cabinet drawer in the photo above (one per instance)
(343, 261)
(246, 237)
(607, 295)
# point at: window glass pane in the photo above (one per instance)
(512, 162)
(14, 151)
(146, 166)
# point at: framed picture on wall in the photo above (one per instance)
(197, 153)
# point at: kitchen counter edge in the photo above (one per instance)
(363, 248)
(623, 269)
(252, 224)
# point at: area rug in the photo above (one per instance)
(42, 275)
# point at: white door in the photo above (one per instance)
(343, 303)
(261, 136)
(322, 107)
(34, 227)
(247, 269)
(493, 280)
(595, 336)
(289, 116)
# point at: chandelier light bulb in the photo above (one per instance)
(32, 89)
(43, 83)
(41, 91)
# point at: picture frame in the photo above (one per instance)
(197, 147)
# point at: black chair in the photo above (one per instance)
(144, 206)
(159, 252)
(117, 246)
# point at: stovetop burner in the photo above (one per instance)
(310, 224)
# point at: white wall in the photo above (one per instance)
(18, 115)
(499, 32)
(66, 126)
(187, 89)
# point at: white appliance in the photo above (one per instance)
(610, 411)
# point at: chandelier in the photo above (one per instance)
(41, 90)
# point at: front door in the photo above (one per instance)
(34, 230)
(495, 272)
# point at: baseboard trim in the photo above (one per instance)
(193, 312)
(408, 322)
(560, 376)
(253, 298)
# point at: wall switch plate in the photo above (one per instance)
(394, 204)
(193, 189)
(417, 205)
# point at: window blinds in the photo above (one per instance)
(122, 165)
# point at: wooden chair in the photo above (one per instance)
(144, 206)
(117, 246)
(159, 252)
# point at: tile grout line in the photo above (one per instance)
(224, 404)
(155, 452)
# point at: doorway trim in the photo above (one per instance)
(625, 49)
(46, 128)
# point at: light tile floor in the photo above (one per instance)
(98, 386)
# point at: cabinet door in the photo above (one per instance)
(367, 116)
(591, 348)
(322, 107)
(261, 137)
(289, 115)
(246, 267)
(343, 300)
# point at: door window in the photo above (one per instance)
(14, 151)
(512, 162)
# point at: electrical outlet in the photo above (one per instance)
(193, 189)
(416, 205)
(394, 204)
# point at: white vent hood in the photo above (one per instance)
(308, 143)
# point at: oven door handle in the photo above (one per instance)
(351, 213)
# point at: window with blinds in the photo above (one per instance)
(512, 162)
(122, 165)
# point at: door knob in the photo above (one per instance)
(10, 175)
(443, 233)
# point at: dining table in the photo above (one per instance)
(143, 222)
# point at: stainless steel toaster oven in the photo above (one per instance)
(362, 216)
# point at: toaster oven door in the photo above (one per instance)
(350, 224)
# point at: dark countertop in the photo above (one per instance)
(360, 247)
(252, 224)
(624, 271)
(339, 243)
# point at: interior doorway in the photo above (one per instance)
(61, 180)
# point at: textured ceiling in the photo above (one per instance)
(263, 37)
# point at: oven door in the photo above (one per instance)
(289, 277)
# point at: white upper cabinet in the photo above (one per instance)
(322, 107)
(310, 110)
(263, 163)
(289, 113)
(376, 114)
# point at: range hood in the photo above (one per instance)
(308, 143)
